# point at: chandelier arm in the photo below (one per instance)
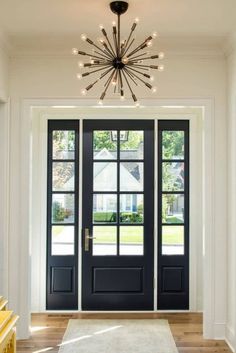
(144, 58)
(121, 81)
(116, 75)
(131, 32)
(140, 46)
(121, 85)
(107, 50)
(109, 44)
(105, 73)
(137, 56)
(91, 85)
(155, 67)
(118, 40)
(115, 43)
(96, 46)
(137, 49)
(129, 46)
(108, 40)
(98, 65)
(110, 77)
(131, 91)
(136, 65)
(139, 72)
(92, 55)
(107, 85)
(104, 54)
(144, 82)
(93, 72)
(130, 76)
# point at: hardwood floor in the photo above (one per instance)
(48, 330)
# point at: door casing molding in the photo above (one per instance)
(154, 109)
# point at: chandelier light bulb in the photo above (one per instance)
(79, 76)
(83, 92)
(122, 98)
(154, 35)
(161, 68)
(101, 27)
(81, 65)
(74, 51)
(114, 82)
(137, 104)
(154, 89)
(100, 102)
(136, 20)
(149, 43)
(152, 78)
(83, 37)
(113, 23)
(161, 55)
(125, 60)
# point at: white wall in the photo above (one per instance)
(4, 124)
(189, 76)
(231, 312)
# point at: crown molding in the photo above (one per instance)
(230, 44)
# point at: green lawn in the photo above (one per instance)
(172, 235)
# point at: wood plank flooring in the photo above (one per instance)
(48, 330)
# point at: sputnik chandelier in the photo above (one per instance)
(120, 63)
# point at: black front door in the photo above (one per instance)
(118, 213)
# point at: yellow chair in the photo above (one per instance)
(3, 304)
(8, 332)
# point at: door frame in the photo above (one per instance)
(155, 109)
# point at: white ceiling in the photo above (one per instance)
(28, 19)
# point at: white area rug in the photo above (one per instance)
(118, 336)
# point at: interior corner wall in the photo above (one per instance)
(186, 77)
(231, 93)
(4, 125)
(4, 74)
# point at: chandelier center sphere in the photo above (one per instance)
(118, 64)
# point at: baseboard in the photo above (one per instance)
(230, 338)
(219, 331)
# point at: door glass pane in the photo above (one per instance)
(131, 208)
(173, 144)
(172, 176)
(63, 208)
(63, 144)
(63, 176)
(105, 239)
(131, 240)
(105, 144)
(131, 144)
(104, 176)
(62, 240)
(104, 208)
(131, 176)
(172, 208)
(172, 240)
